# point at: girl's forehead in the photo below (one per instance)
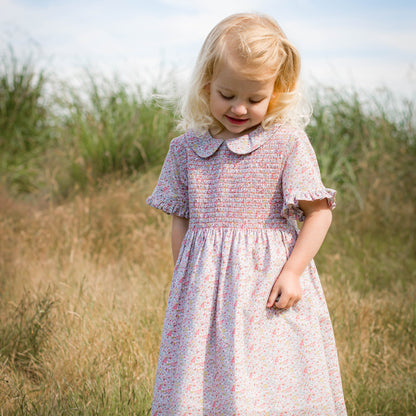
(229, 80)
(234, 73)
(231, 64)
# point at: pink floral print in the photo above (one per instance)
(222, 351)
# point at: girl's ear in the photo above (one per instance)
(207, 88)
(272, 101)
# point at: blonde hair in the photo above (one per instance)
(264, 52)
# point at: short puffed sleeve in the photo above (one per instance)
(171, 191)
(301, 178)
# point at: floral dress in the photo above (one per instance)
(223, 352)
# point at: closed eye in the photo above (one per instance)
(226, 97)
(256, 101)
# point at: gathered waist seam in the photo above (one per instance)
(284, 226)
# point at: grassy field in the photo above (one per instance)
(85, 265)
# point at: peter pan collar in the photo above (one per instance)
(204, 145)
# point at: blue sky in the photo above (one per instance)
(365, 44)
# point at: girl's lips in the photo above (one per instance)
(236, 121)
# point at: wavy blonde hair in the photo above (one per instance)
(263, 52)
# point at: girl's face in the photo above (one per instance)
(237, 102)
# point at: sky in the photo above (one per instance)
(365, 44)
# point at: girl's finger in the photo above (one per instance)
(293, 301)
(276, 301)
(282, 302)
(273, 298)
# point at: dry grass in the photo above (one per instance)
(101, 261)
(83, 291)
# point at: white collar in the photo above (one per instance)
(204, 145)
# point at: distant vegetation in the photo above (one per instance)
(85, 265)
(56, 135)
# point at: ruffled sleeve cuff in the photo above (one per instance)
(168, 206)
(291, 207)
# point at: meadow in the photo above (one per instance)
(85, 265)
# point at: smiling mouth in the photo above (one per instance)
(236, 121)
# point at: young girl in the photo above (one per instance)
(247, 330)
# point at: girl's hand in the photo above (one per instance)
(287, 287)
(317, 220)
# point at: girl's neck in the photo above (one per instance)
(224, 134)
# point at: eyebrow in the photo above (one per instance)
(224, 88)
(257, 94)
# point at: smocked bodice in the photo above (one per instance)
(253, 181)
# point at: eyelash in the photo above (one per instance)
(231, 97)
(226, 97)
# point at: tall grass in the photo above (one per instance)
(84, 278)
(358, 140)
(23, 114)
(72, 138)
(24, 119)
(367, 153)
(112, 127)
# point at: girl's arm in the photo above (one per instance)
(179, 228)
(318, 218)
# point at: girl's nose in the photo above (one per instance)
(239, 109)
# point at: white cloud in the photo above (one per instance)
(131, 38)
(339, 38)
(359, 73)
(221, 7)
